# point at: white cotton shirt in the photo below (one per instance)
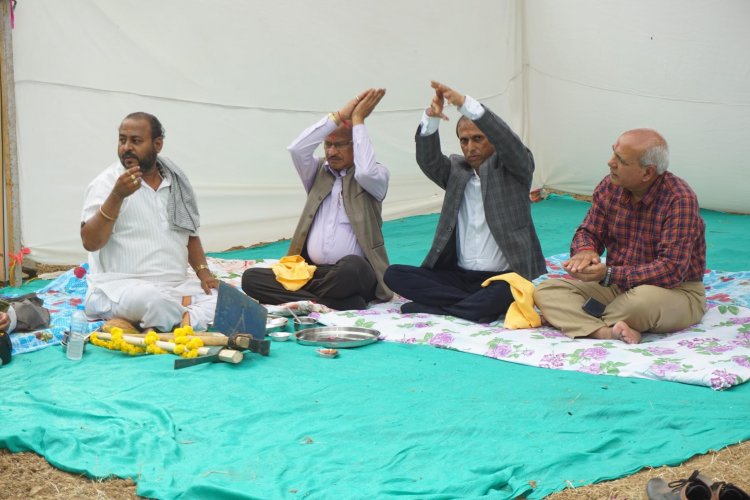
(143, 245)
(475, 245)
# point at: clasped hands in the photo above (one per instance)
(443, 93)
(360, 107)
(586, 265)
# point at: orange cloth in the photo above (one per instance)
(521, 313)
(293, 272)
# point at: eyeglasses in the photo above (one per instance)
(338, 145)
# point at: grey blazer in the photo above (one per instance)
(506, 182)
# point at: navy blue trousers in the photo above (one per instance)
(454, 292)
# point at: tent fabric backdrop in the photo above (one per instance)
(598, 68)
(235, 81)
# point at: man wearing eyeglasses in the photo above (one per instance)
(647, 220)
(340, 229)
(485, 227)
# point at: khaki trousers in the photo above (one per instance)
(645, 308)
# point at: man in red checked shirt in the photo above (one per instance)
(648, 222)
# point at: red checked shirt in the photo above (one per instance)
(658, 241)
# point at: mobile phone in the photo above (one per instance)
(594, 307)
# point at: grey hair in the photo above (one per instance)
(658, 156)
(460, 121)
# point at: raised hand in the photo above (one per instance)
(366, 104)
(436, 106)
(454, 97)
(129, 182)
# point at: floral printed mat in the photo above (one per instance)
(714, 353)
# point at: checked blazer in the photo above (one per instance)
(506, 181)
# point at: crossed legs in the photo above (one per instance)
(348, 284)
(450, 292)
(628, 314)
(151, 306)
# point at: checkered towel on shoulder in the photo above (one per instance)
(182, 207)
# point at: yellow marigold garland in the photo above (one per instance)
(186, 344)
(112, 344)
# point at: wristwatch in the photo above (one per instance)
(606, 281)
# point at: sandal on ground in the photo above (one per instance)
(728, 491)
(696, 487)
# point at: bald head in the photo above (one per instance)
(652, 146)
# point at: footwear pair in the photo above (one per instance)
(696, 487)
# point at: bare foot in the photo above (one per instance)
(622, 331)
(619, 331)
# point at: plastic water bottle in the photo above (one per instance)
(79, 325)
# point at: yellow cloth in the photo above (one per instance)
(293, 272)
(521, 313)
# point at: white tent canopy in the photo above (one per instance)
(234, 81)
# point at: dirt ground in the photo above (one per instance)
(27, 475)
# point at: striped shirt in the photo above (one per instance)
(143, 244)
(658, 241)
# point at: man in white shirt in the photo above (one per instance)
(140, 224)
(340, 228)
(485, 226)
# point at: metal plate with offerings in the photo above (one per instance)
(337, 336)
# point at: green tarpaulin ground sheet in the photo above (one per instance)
(379, 421)
(556, 219)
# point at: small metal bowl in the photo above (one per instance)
(279, 336)
(276, 323)
(66, 338)
(304, 322)
(327, 353)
